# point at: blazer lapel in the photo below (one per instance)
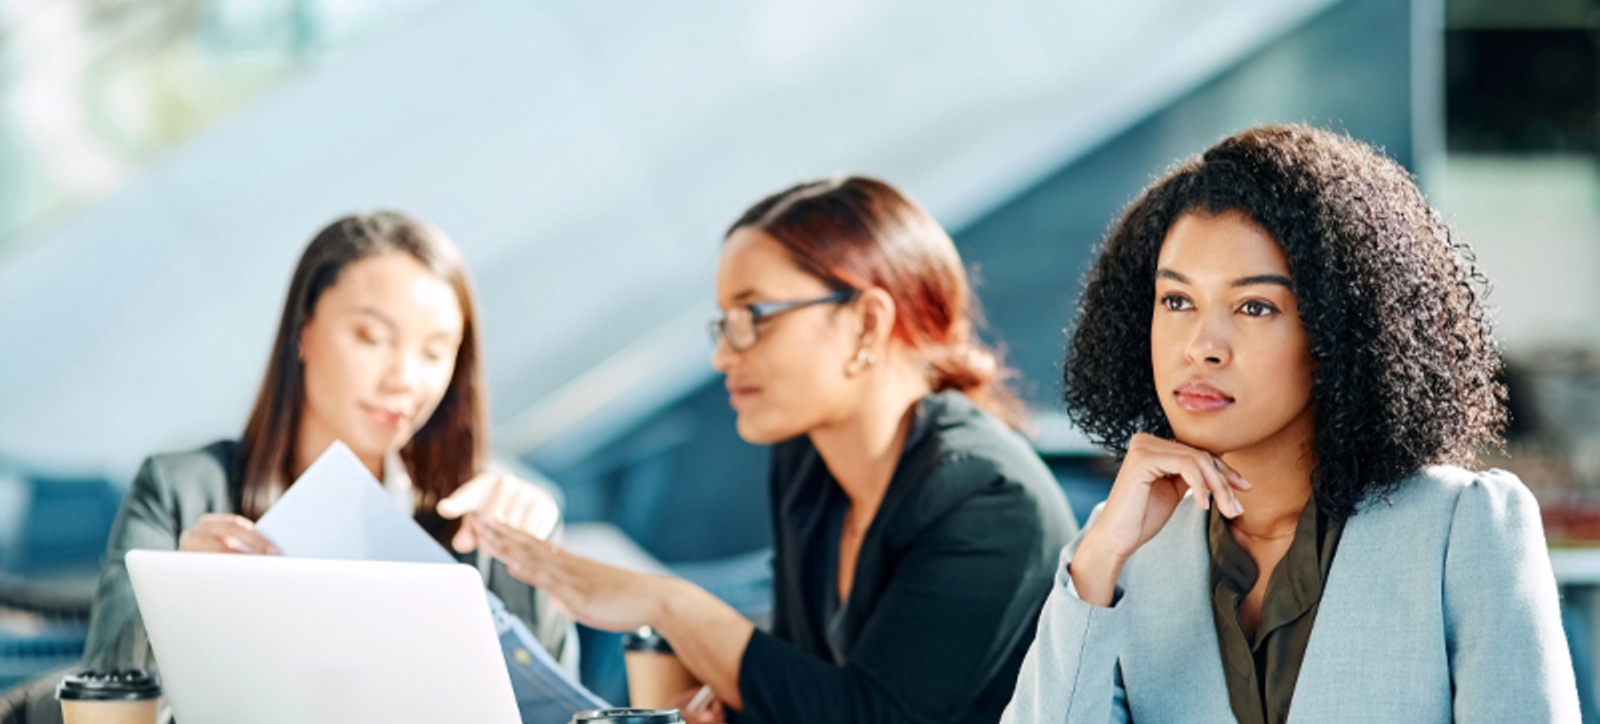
(1188, 675)
(805, 508)
(1376, 650)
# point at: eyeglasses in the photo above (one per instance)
(738, 325)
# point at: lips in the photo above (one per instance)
(387, 416)
(1201, 396)
(739, 394)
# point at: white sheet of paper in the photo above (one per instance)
(338, 510)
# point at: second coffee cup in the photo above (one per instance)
(655, 676)
(109, 697)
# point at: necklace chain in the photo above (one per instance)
(1253, 536)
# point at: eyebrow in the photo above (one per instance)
(390, 323)
(1277, 279)
(380, 316)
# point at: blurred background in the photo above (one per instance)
(163, 162)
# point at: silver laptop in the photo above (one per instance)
(245, 639)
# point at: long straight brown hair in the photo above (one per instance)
(447, 450)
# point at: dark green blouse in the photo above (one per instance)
(1261, 671)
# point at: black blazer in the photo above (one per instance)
(948, 584)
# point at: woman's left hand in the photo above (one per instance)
(709, 713)
(712, 714)
(504, 499)
(597, 595)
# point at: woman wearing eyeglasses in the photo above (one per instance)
(915, 531)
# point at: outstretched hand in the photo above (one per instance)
(596, 594)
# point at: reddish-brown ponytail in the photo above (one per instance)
(856, 233)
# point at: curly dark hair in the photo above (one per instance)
(1406, 367)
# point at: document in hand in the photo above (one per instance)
(337, 510)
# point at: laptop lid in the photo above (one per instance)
(244, 639)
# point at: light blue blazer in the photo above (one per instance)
(1440, 605)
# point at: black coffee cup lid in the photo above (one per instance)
(628, 716)
(645, 639)
(109, 685)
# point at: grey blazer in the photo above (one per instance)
(170, 494)
(1440, 605)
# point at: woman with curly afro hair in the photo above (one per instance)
(1282, 333)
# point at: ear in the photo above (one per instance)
(877, 315)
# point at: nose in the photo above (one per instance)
(723, 354)
(404, 373)
(1209, 344)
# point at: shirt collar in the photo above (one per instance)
(397, 483)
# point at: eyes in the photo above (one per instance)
(1175, 302)
(370, 336)
(376, 336)
(1257, 308)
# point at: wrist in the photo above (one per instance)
(1094, 570)
(670, 598)
(1099, 552)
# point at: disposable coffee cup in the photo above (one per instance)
(105, 696)
(655, 676)
(627, 716)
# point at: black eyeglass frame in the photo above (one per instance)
(763, 311)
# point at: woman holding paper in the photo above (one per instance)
(377, 347)
(915, 531)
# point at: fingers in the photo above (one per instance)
(247, 540)
(537, 513)
(1229, 484)
(533, 561)
(702, 700)
(1193, 472)
(193, 541)
(1206, 475)
(525, 557)
(703, 716)
(500, 536)
(1221, 490)
(466, 537)
(682, 699)
(518, 504)
(221, 533)
(540, 564)
(1208, 482)
(1234, 478)
(469, 497)
(519, 512)
(501, 498)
